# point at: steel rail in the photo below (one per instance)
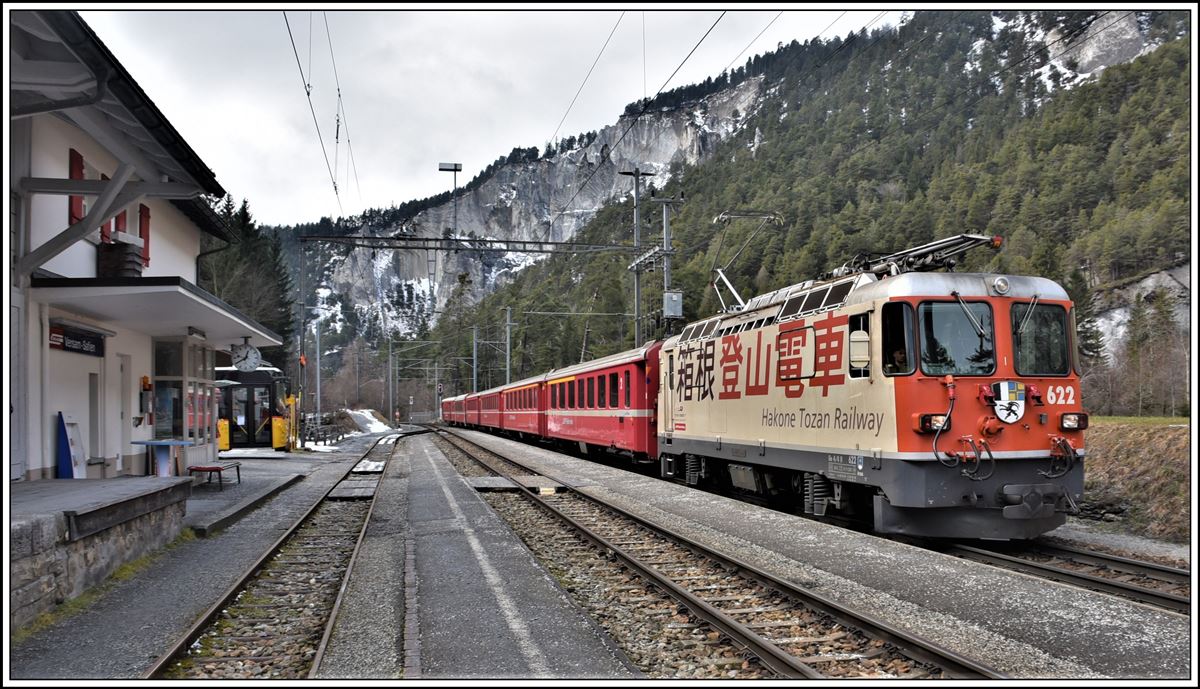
(953, 664)
(1160, 599)
(1115, 562)
(162, 663)
(362, 535)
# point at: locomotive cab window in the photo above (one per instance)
(957, 338)
(897, 325)
(1041, 345)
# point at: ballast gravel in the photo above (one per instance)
(1027, 627)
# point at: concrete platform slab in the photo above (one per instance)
(486, 609)
(91, 505)
(537, 484)
(1028, 627)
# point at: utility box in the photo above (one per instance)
(279, 433)
(222, 434)
(673, 304)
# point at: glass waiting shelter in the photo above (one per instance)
(185, 397)
(248, 400)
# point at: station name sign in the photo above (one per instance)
(71, 340)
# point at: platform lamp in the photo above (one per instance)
(454, 168)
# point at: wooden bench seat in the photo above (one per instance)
(217, 469)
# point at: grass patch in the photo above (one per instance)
(1140, 420)
(83, 601)
(1145, 468)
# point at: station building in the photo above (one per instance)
(110, 341)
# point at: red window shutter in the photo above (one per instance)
(75, 203)
(121, 221)
(144, 232)
(106, 228)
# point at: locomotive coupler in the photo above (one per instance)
(1030, 500)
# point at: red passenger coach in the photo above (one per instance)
(525, 407)
(454, 410)
(608, 403)
(491, 406)
(471, 417)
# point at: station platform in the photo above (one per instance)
(129, 622)
(1025, 626)
(441, 577)
(67, 535)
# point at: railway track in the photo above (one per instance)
(1144, 582)
(275, 621)
(790, 631)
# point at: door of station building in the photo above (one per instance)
(250, 415)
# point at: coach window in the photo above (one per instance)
(601, 397)
(861, 322)
(628, 404)
(612, 390)
(571, 394)
(591, 394)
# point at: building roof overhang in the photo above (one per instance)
(158, 306)
(58, 65)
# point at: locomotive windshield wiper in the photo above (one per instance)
(1025, 320)
(970, 316)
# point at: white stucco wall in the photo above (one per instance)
(174, 240)
(67, 392)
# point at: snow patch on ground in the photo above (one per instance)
(367, 421)
(313, 447)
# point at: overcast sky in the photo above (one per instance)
(417, 87)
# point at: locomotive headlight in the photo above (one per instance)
(1073, 422)
(1000, 285)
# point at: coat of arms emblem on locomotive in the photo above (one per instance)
(1009, 400)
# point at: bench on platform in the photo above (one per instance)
(217, 469)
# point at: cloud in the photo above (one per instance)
(418, 88)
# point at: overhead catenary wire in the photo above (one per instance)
(760, 33)
(308, 95)
(342, 106)
(641, 111)
(585, 78)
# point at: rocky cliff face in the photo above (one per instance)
(1113, 306)
(542, 200)
(552, 198)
